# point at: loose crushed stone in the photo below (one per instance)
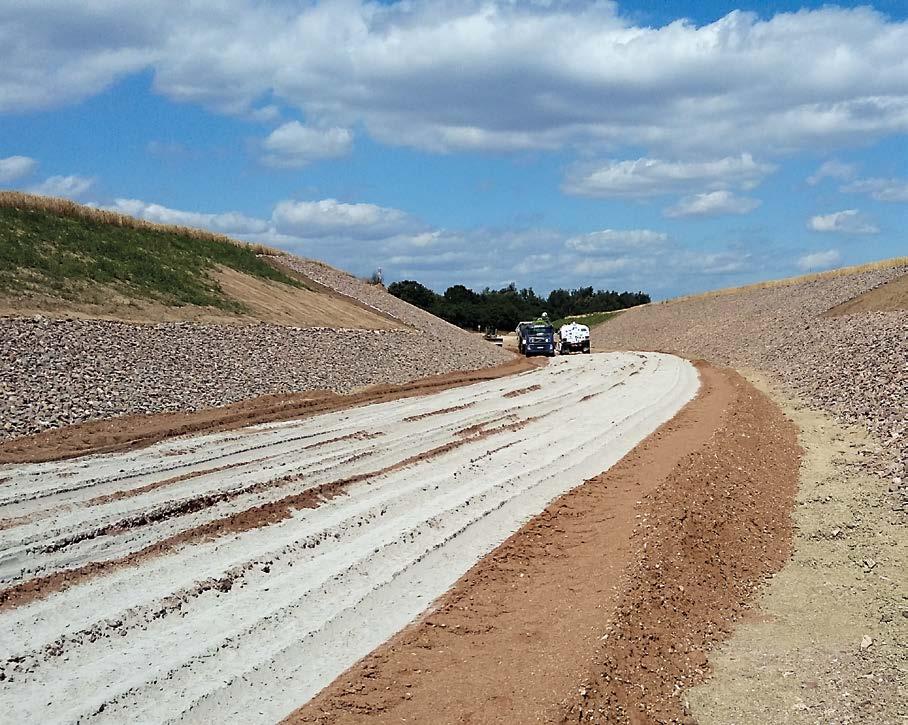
(59, 372)
(854, 366)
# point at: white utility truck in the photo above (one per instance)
(573, 338)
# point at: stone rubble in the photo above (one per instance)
(855, 366)
(60, 372)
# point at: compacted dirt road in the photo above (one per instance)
(232, 576)
(607, 606)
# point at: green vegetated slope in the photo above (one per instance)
(591, 319)
(70, 255)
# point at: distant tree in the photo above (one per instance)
(458, 294)
(413, 292)
(558, 303)
(505, 307)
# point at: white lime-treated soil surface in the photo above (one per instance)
(229, 577)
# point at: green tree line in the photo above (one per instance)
(504, 308)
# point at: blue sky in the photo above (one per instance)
(670, 147)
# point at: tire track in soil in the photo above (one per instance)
(265, 513)
(523, 391)
(443, 411)
(251, 518)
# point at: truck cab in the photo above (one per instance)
(535, 339)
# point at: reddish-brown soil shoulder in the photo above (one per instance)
(709, 536)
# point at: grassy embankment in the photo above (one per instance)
(60, 249)
(590, 319)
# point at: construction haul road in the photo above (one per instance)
(230, 577)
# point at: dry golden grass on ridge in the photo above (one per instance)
(789, 281)
(67, 208)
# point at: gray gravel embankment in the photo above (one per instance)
(371, 296)
(855, 366)
(58, 372)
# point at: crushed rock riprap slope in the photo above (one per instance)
(60, 372)
(230, 577)
(853, 365)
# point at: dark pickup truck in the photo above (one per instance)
(535, 339)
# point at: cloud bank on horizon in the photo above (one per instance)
(551, 143)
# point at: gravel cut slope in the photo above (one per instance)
(373, 296)
(60, 372)
(855, 366)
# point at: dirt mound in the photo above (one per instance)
(311, 306)
(887, 297)
(711, 534)
(852, 366)
(372, 296)
(64, 372)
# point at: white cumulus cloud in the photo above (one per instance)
(16, 167)
(329, 217)
(592, 268)
(295, 145)
(648, 177)
(225, 223)
(892, 190)
(819, 260)
(849, 221)
(715, 263)
(70, 187)
(482, 73)
(713, 203)
(832, 170)
(612, 241)
(315, 227)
